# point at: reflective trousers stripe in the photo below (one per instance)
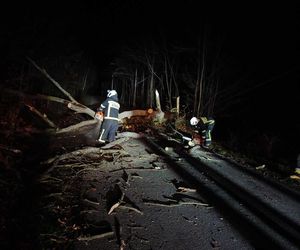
(111, 118)
(100, 138)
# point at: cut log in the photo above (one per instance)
(82, 134)
(137, 112)
(160, 114)
(78, 126)
(79, 108)
(157, 99)
(149, 113)
(177, 105)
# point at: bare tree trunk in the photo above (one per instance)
(134, 89)
(168, 83)
(112, 82)
(150, 91)
(151, 86)
(84, 81)
(122, 97)
(212, 97)
(130, 90)
(143, 89)
(173, 77)
(202, 82)
(201, 87)
(197, 87)
(178, 105)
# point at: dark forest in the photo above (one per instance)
(236, 63)
(244, 57)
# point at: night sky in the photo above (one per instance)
(260, 44)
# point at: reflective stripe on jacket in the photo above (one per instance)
(110, 107)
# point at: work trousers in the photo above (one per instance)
(108, 130)
(206, 133)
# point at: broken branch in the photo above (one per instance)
(180, 203)
(75, 106)
(43, 71)
(42, 116)
(95, 237)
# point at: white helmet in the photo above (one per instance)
(194, 121)
(111, 93)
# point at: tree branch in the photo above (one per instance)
(42, 116)
(43, 71)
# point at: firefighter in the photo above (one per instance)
(203, 126)
(110, 111)
(296, 174)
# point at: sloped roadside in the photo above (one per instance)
(125, 196)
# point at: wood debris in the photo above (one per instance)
(95, 237)
(185, 189)
(116, 204)
(173, 203)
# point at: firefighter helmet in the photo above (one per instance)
(111, 93)
(194, 121)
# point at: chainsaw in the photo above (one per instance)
(99, 116)
(191, 140)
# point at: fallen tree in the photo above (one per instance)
(72, 104)
(83, 132)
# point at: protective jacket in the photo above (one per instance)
(110, 107)
(204, 124)
(204, 127)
